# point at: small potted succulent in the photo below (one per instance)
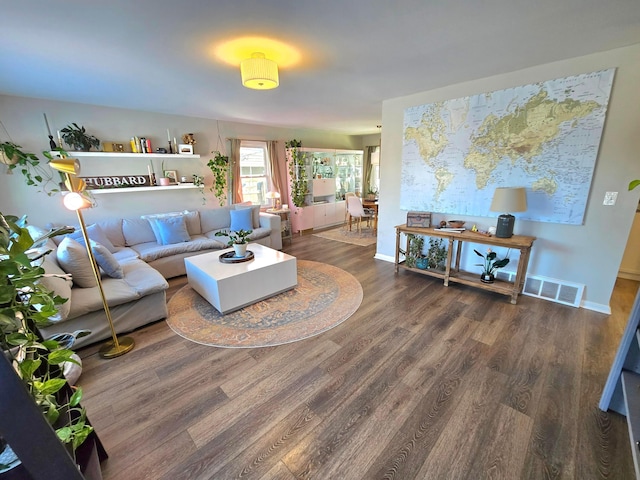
(490, 265)
(238, 239)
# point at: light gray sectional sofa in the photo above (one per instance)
(136, 256)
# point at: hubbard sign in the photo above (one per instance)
(116, 181)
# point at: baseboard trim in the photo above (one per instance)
(386, 258)
(596, 307)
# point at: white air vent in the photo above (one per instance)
(552, 289)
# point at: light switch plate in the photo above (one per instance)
(610, 198)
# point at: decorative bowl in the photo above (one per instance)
(456, 223)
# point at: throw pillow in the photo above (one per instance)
(171, 230)
(255, 212)
(154, 225)
(241, 220)
(106, 261)
(95, 233)
(73, 259)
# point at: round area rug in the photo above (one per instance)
(324, 297)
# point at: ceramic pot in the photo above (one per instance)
(163, 181)
(487, 278)
(422, 263)
(240, 249)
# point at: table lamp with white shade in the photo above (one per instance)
(274, 197)
(508, 199)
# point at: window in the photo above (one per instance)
(254, 172)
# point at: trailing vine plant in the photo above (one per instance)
(297, 172)
(25, 305)
(31, 167)
(219, 166)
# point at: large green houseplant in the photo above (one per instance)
(297, 172)
(25, 305)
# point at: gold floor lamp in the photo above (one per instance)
(74, 200)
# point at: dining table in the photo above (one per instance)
(372, 205)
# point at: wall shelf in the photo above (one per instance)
(180, 186)
(74, 154)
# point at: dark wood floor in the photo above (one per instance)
(422, 382)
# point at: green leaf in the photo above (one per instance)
(76, 397)
(29, 366)
(634, 184)
(59, 356)
(52, 386)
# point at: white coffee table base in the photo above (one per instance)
(231, 286)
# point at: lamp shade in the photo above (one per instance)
(509, 199)
(259, 72)
(75, 201)
(66, 165)
(75, 184)
(272, 194)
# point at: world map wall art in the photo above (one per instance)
(543, 136)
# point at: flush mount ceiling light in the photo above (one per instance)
(259, 73)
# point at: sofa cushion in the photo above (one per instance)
(193, 222)
(151, 251)
(73, 259)
(241, 219)
(105, 260)
(137, 230)
(95, 233)
(170, 230)
(215, 219)
(139, 280)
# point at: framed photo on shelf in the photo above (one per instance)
(172, 175)
(185, 149)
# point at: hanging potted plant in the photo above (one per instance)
(77, 138)
(219, 166)
(297, 172)
(30, 166)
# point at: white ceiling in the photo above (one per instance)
(156, 55)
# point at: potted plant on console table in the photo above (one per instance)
(490, 265)
(237, 239)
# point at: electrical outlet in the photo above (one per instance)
(610, 198)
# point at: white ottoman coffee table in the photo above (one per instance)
(231, 286)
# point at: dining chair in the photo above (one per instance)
(346, 206)
(356, 210)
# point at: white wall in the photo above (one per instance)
(589, 254)
(23, 119)
(630, 266)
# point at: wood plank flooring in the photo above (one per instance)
(422, 382)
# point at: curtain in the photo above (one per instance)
(236, 181)
(277, 171)
(366, 170)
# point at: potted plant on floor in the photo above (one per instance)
(238, 239)
(26, 304)
(297, 172)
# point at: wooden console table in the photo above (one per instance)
(453, 273)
